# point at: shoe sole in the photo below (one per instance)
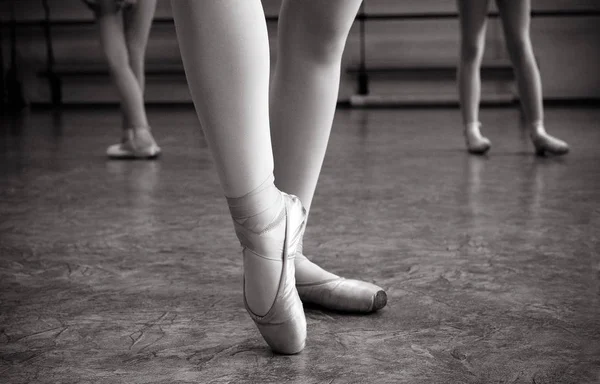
(134, 157)
(479, 151)
(545, 152)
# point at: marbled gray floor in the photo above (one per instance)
(129, 272)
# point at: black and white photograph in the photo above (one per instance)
(300, 191)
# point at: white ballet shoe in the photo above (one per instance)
(131, 148)
(284, 326)
(547, 144)
(476, 143)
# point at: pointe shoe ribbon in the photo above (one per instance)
(284, 326)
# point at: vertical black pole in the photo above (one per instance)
(53, 79)
(363, 79)
(14, 90)
(2, 86)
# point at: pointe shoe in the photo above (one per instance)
(476, 143)
(340, 294)
(284, 326)
(546, 144)
(133, 147)
(346, 295)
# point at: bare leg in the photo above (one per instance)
(137, 140)
(516, 22)
(112, 38)
(225, 52)
(472, 16)
(138, 21)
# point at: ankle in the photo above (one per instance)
(141, 128)
(141, 138)
(126, 135)
(537, 128)
(473, 127)
(260, 209)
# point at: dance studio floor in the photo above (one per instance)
(129, 271)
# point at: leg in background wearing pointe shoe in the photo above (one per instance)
(473, 21)
(311, 40)
(516, 20)
(224, 47)
(137, 138)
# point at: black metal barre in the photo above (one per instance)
(12, 87)
(359, 17)
(53, 79)
(2, 87)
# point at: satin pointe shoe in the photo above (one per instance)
(284, 326)
(140, 145)
(341, 294)
(476, 143)
(546, 144)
